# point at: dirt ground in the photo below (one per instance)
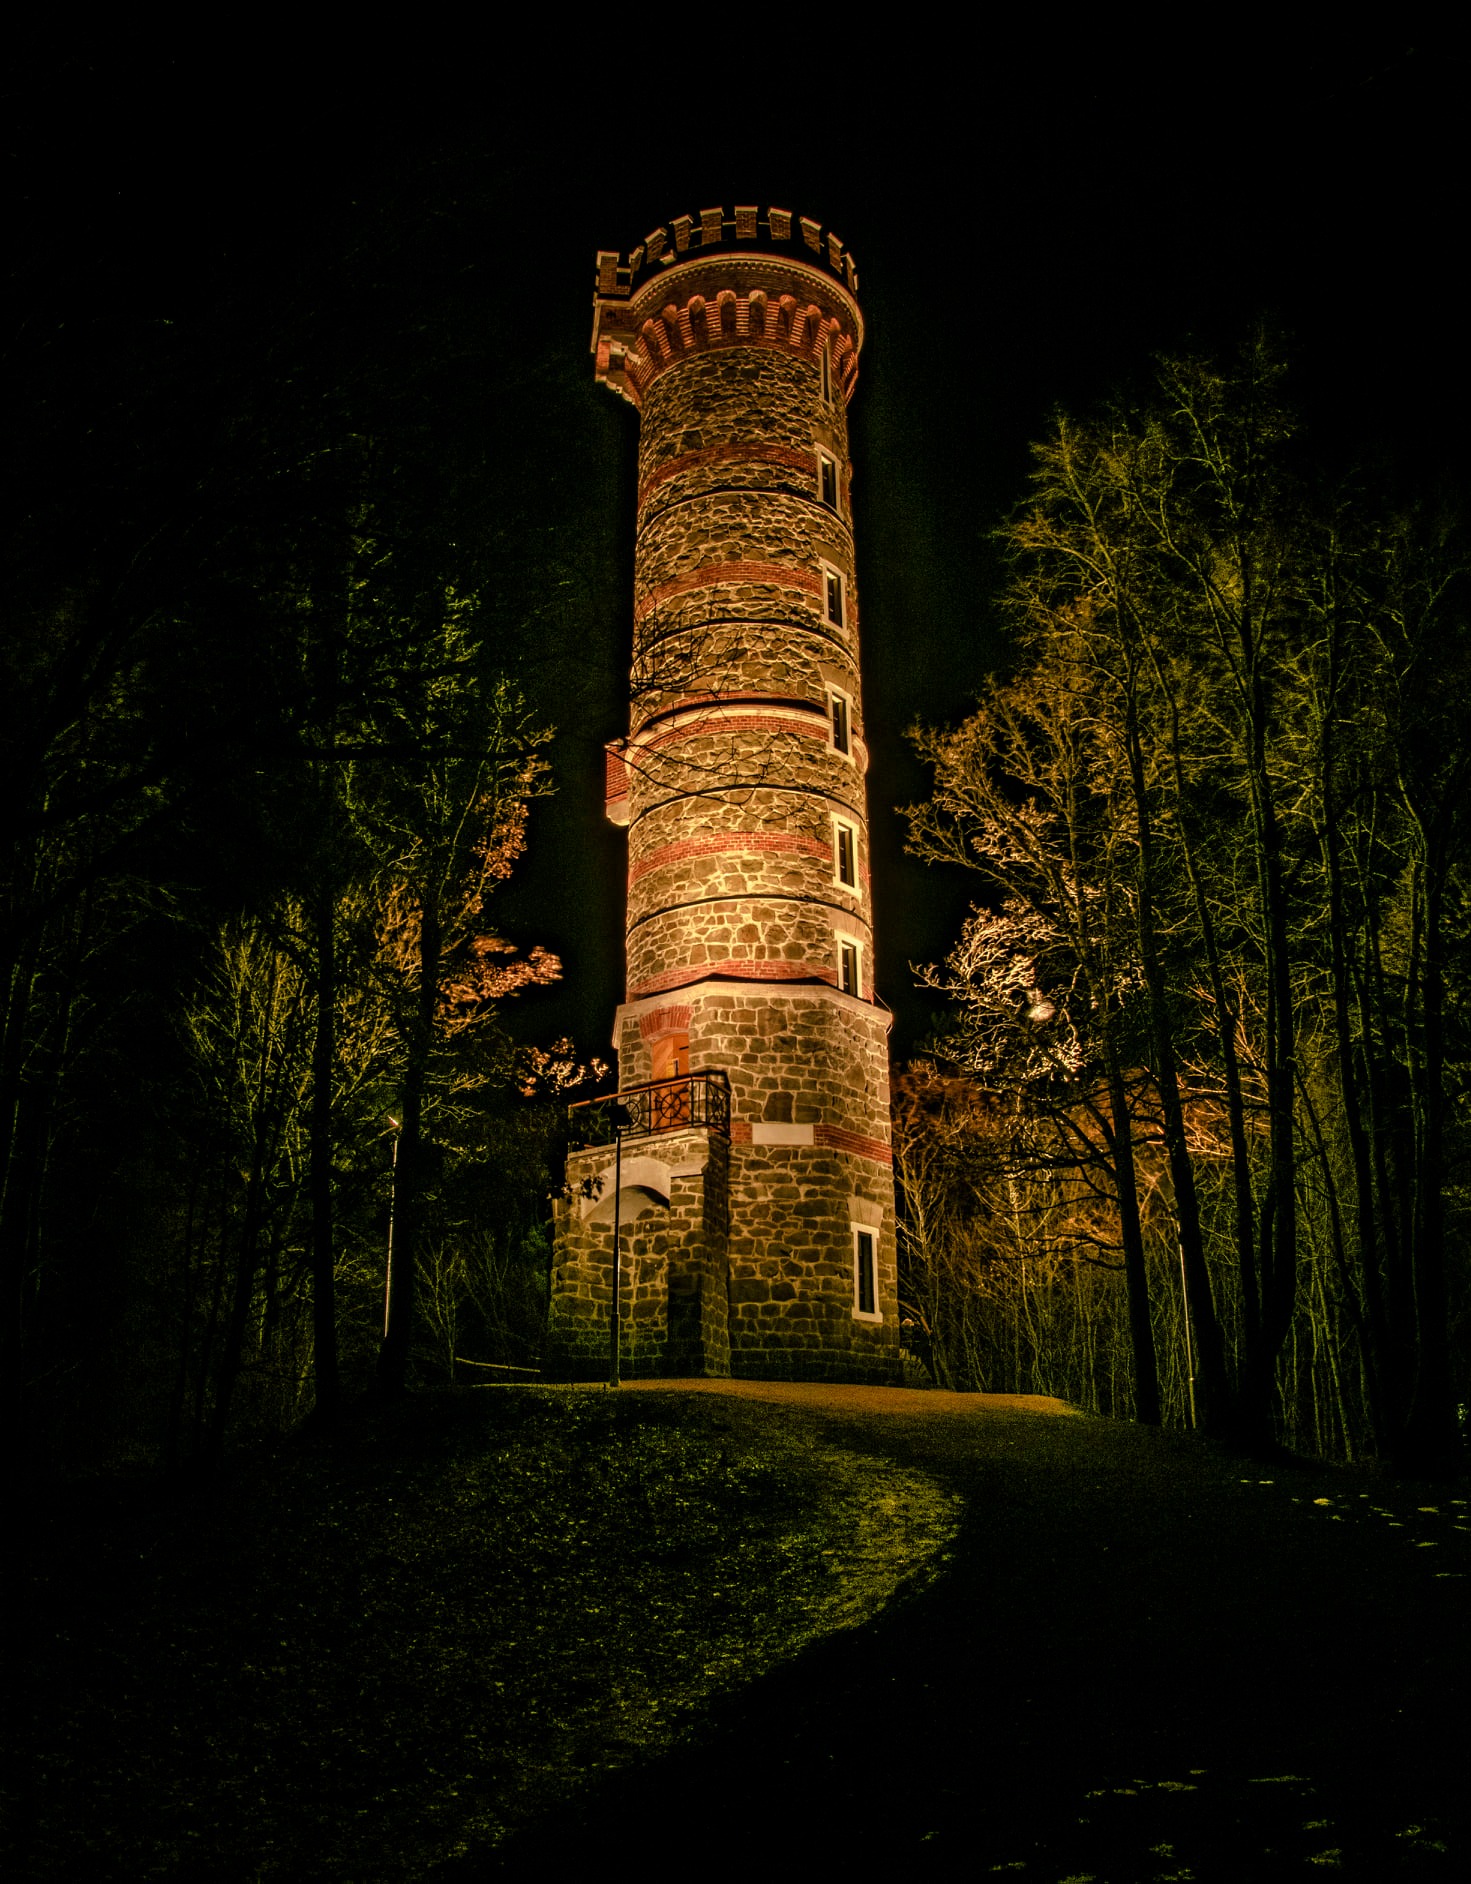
(1144, 1660)
(820, 1397)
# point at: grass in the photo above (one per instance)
(363, 1660)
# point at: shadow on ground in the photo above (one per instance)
(1146, 1661)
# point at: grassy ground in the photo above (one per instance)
(360, 1662)
(1146, 1662)
(774, 1629)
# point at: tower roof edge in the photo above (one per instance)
(773, 231)
(724, 283)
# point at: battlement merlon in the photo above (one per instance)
(777, 231)
(696, 285)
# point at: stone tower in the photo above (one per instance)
(746, 1162)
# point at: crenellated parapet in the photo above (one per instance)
(774, 230)
(750, 279)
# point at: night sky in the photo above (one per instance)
(1031, 224)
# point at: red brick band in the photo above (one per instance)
(787, 455)
(840, 1139)
(689, 702)
(770, 575)
(728, 843)
(728, 319)
(731, 971)
(831, 1137)
(808, 725)
(665, 1020)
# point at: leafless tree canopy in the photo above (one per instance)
(1219, 812)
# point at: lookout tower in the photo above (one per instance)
(746, 1159)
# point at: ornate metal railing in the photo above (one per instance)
(660, 1105)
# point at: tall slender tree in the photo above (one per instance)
(1271, 686)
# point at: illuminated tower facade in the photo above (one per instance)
(747, 1162)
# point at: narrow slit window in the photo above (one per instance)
(828, 479)
(848, 967)
(833, 594)
(841, 737)
(865, 1273)
(826, 360)
(845, 853)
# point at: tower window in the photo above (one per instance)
(832, 593)
(845, 853)
(827, 479)
(849, 967)
(826, 359)
(841, 718)
(840, 722)
(865, 1273)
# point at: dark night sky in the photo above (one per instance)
(1030, 226)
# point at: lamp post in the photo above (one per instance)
(1185, 1323)
(395, 1125)
(621, 1122)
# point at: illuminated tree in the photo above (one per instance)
(443, 804)
(1389, 803)
(1268, 694)
(1010, 1242)
(188, 668)
(249, 1285)
(1045, 986)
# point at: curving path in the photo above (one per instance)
(1145, 1660)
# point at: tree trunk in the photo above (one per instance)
(1245, 1203)
(247, 1260)
(1373, 1324)
(1136, 1275)
(1215, 1413)
(1428, 1440)
(15, 1186)
(393, 1356)
(1277, 1263)
(324, 1293)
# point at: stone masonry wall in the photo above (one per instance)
(742, 795)
(674, 1305)
(791, 1267)
(802, 1055)
(734, 780)
(805, 1063)
(752, 397)
(732, 527)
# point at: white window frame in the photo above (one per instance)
(840, 704)
(826, 463)
(845, 827)
(843, 940)
(831, 574)
(868, 1232)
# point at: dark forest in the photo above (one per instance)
(315, 626)
(317, 622)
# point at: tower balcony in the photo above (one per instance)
(692, 1101)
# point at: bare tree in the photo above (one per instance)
(1222, 809)
(1046, 986)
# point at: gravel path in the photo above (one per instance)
(1145, 1660)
